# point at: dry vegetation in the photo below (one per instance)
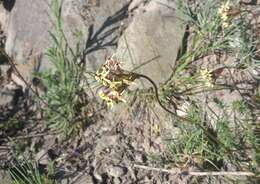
(214, 85)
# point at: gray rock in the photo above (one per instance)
(84, 179)
(155, 31)
(27, 25)
(4, 70)
(104, 30)
(6, 96)
(27, 30)
(65, 181)
(3, 17)
(116, 171)
(135, 4)
(117, 181)
(27, 33)
(42, 157)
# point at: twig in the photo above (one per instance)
(185, 119)
(177, 171)
(5, 148)
(37, 135)
(33, 135)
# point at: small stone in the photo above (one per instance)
(6, 96)
(42, 157)
(65, 181)
(9, 94)
(117, 181)
(140, 157)
(255, 72)
(4, 69)
(85, 179)
(116, 171)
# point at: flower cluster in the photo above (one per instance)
(207, 77)
(224, 13)
(114, 81)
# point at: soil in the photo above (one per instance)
(112, 144)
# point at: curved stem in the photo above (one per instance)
(212, 137)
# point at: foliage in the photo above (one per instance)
(207, 35)
(64, 94)
(212, 29)
(27, 172)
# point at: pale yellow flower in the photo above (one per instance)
(224, 7)
(225, 25)
(207, 78)
(117, 96)
(106, 98)
(223, 11)
(115, 84)
(114, 81)
(102, 76)
(224, 17)
(156, 129)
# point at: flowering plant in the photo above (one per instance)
(114, 81)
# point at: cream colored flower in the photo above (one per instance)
(223, 11)
(225, 25)
(225, 7)
(106, 98)
(156, 129)
(114, 81)
(207, 78)
(102, 76)
(110, 96)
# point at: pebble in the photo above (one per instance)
(116, 171)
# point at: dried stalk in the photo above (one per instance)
(177, 171)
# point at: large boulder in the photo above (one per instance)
(154, 32)
(26, 29)
(26, 24)
(151, 42)
(105, 26)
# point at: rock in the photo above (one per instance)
(104, 30)
(140, 158)
(3, 16)
(42, 157)
(27, 33)
(117, 181)
(152, 40)
(26, 26)
(116, 171)
(65, 181)
(9, 96)
(135, 4)
(4, 71)
(84, 179)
